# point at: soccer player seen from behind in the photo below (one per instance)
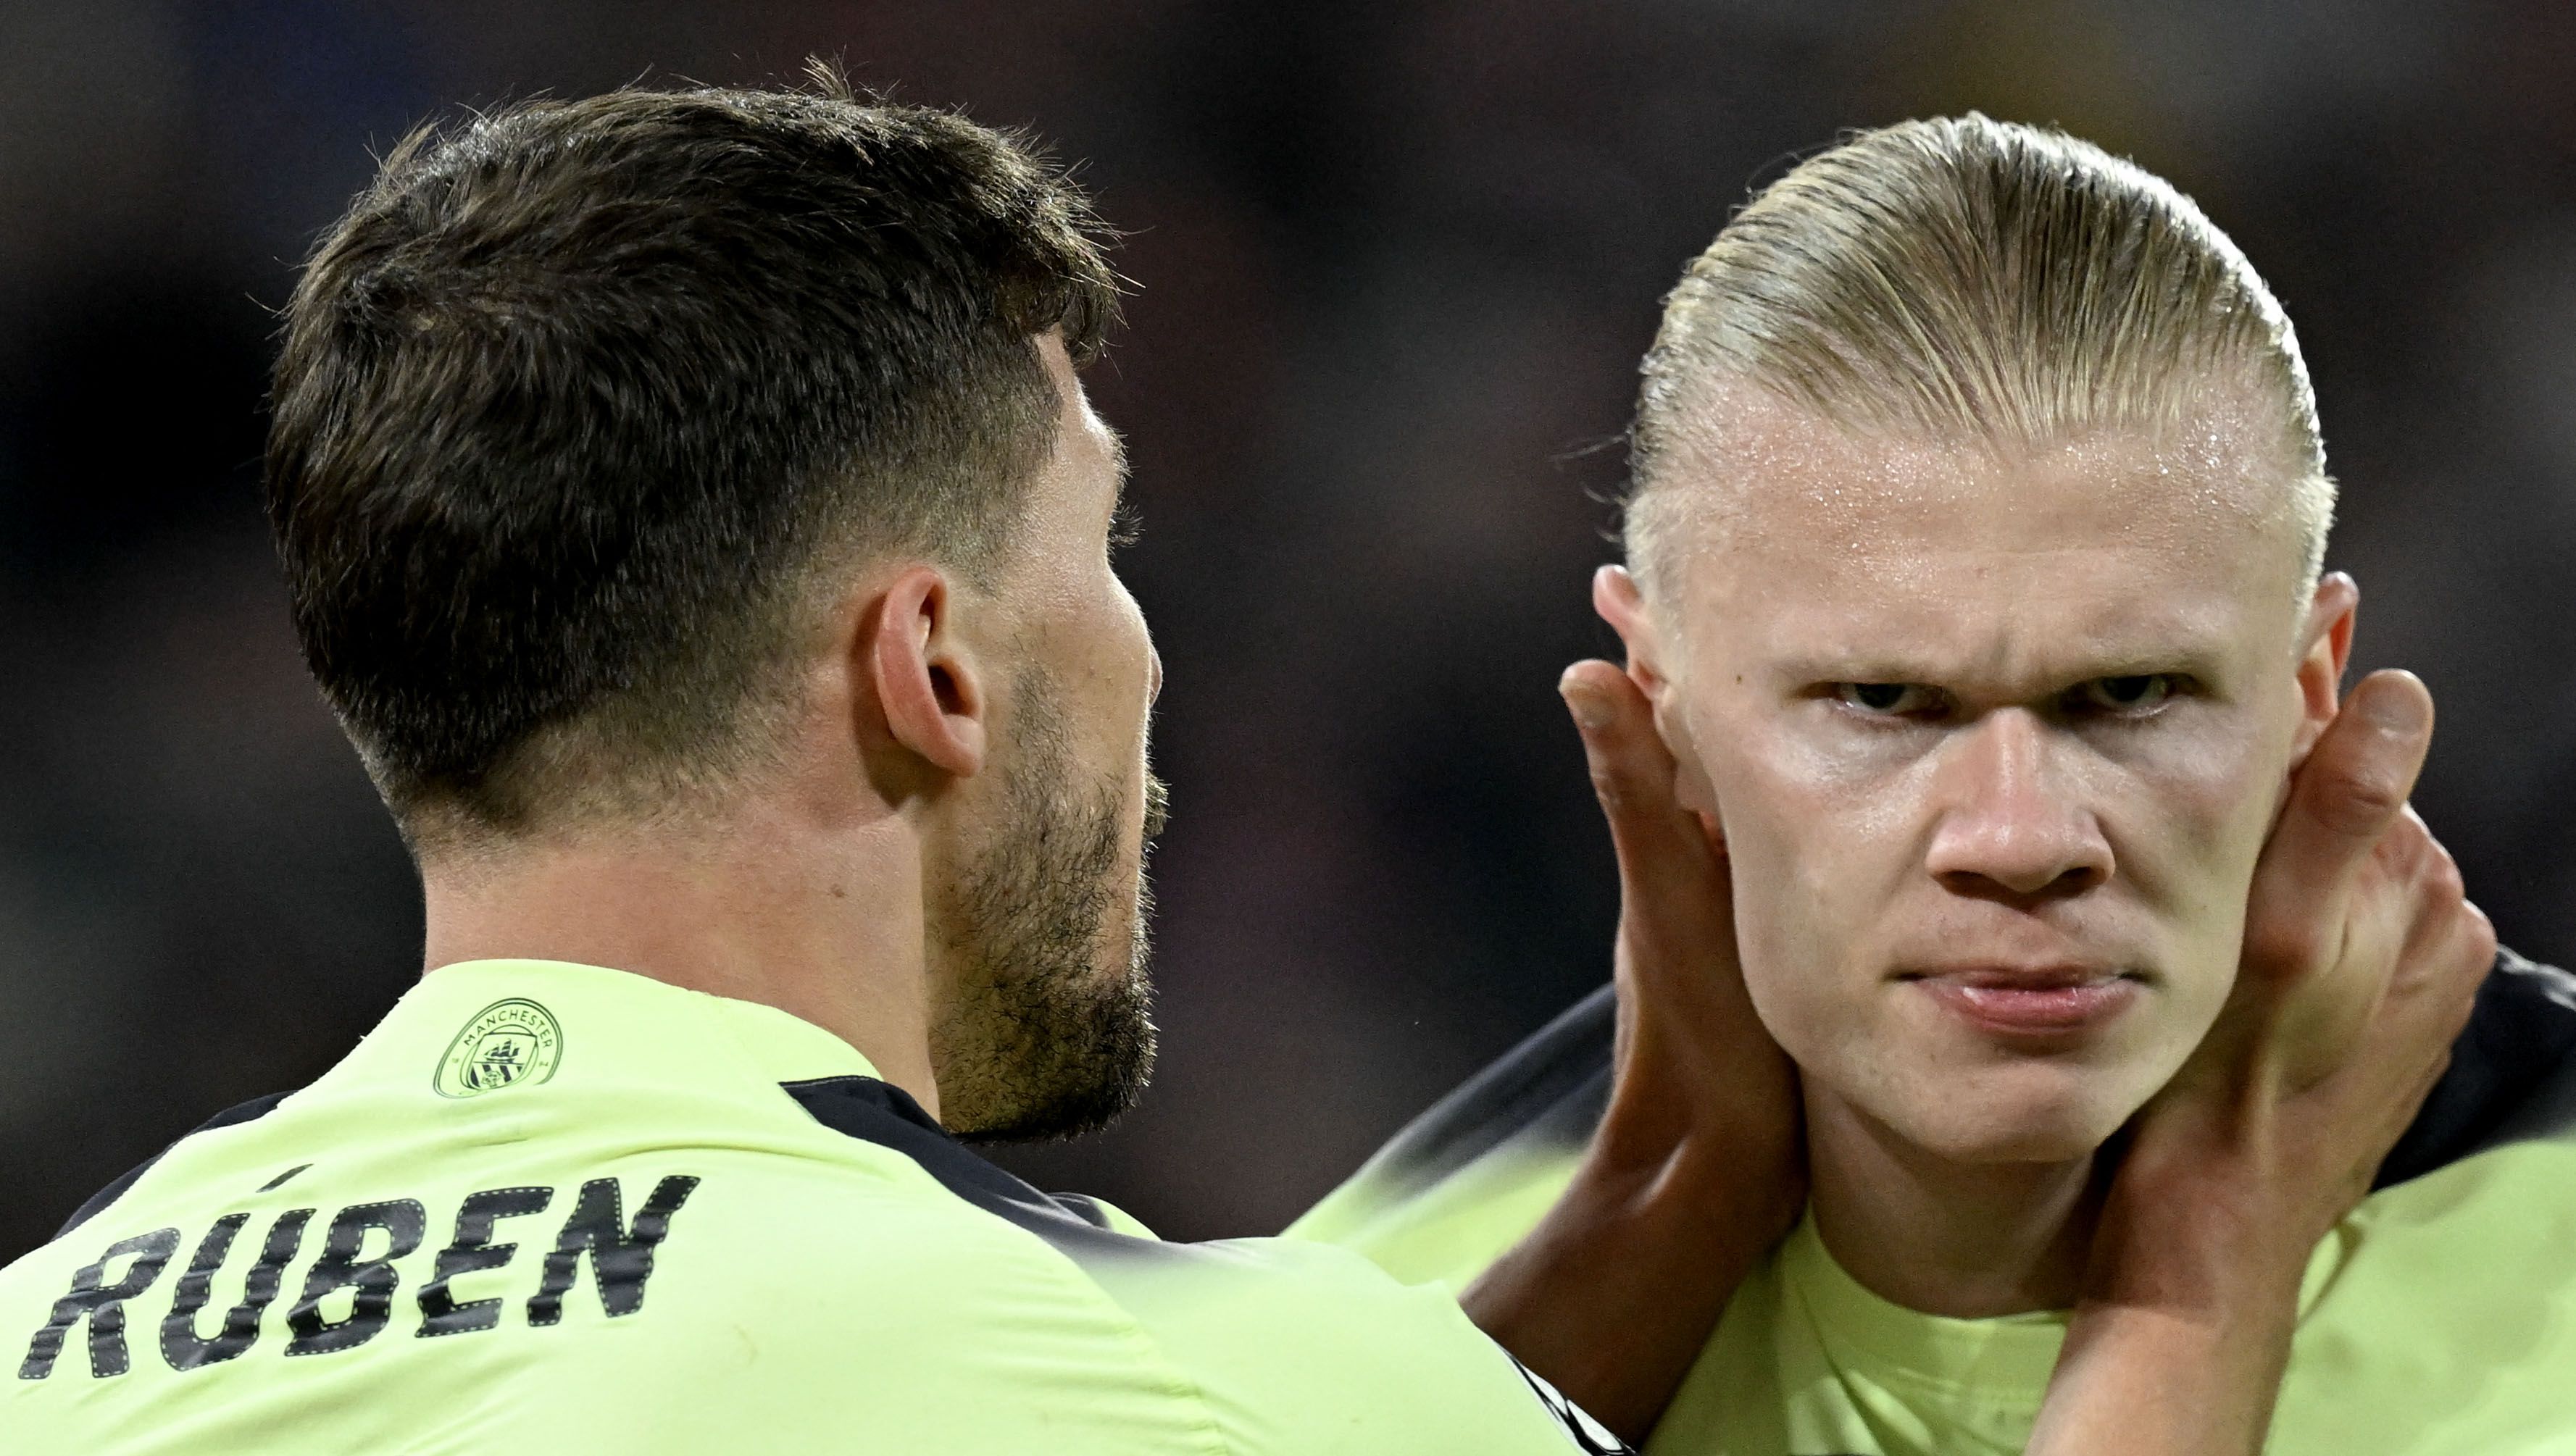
(1974, 583)
(690, 506)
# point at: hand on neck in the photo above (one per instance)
(820, 920)
(1966, 1240)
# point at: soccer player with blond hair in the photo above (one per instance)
(1975, 588)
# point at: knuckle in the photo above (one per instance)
(1610, 788)
(2442, 882)
(2283, 943)
(2357, 798)
(2438, 887)
(2408, 841)
(2480, 934)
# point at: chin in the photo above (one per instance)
(2025, 1115)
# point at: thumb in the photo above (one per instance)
(2341, 804)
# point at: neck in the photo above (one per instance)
(826, 926)
(1967, 1240)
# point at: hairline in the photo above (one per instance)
(1647, 511)
(660, 784)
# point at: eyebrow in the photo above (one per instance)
(2197, 658)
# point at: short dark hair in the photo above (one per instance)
(577, 395)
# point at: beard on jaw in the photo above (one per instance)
(1048, 1033)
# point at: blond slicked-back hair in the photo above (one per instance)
(1970, 278)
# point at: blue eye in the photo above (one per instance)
(1893, 700)
(2131, 695)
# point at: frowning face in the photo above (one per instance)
(1995, 736)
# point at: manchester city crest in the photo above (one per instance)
(508, 1044)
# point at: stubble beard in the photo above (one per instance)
(1050, 1033)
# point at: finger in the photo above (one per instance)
(2468, 960)
(1672, 886)
(1634, 775)
(2479, 963)
(2440, 915)
(2342, 801)
(2450, 944)
(2396, 1117)
(2425, 1012)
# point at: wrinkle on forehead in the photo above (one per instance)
(1764, 492)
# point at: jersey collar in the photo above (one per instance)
(603, 1021)
(2000, 1365)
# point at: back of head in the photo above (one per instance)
(1965, 278)
(581, 397)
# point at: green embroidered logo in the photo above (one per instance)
(507, 1044)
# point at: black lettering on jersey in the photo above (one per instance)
(180, 1343)
(440, 1314)
(339, 1267)
(104, 1303)
(619, 1261)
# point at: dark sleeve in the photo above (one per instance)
(2512, 1076)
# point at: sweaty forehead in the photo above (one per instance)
(1767, 506)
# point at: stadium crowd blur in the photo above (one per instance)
(1394, 264)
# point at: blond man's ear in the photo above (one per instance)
(1622, 604)
(2327, 639)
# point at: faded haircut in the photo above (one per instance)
(1966, 278)
(585, 404)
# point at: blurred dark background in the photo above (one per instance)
(1395, 262)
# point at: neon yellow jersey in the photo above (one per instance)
(546, 1207)
(2439, 1320)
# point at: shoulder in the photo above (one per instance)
(250, 1111)
(900, 1323)
(1297, 1346)
(672, 1293)
(1462, 1182)
(2456, 1281)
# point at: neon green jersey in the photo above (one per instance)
(546, 1207)
(2439, 1319)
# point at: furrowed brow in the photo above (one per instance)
(2194, 653)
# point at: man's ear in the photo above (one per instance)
(926, 680)
(1622, 604)
(1616, 596)
(2327, 639)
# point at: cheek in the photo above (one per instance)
(1118, 651)
(1827, 829)
(1093, 647)
(1802, 863)
(2202, 799)
(1143, 671)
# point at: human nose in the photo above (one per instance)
(2008, 825)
